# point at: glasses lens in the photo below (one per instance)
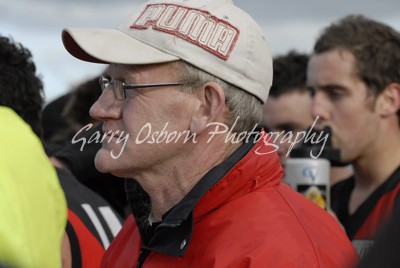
(104, 82)
(117, 87)
(119, 90)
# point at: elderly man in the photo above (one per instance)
(181, 99)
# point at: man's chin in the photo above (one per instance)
(102, 162)
(101, 167)
(105, 164)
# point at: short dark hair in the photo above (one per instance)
(290, 73)
(21, 89)
(375, 46)
(82, 97)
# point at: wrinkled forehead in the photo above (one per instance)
(170, 69)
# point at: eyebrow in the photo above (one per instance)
(327, 87)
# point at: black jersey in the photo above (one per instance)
(361, 227)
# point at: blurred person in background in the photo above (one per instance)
(288, 107)
(82, 97)
(355, 76)
(32, 204)
(55, 128)
(67, 114)
(65, 122)
(92, 222)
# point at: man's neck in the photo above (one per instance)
(374, 169)
(167, 185)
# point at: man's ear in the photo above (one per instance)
(390, 100)
(209, 108)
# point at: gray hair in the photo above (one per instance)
(244, 108)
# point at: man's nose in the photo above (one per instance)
(106, 107)
(319, 108)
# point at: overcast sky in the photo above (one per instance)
(288, 24)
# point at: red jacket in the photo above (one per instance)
(248, 219)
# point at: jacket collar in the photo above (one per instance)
(220, 185)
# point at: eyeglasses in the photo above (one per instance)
(120, 87)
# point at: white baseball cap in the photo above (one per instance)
(213, 35)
